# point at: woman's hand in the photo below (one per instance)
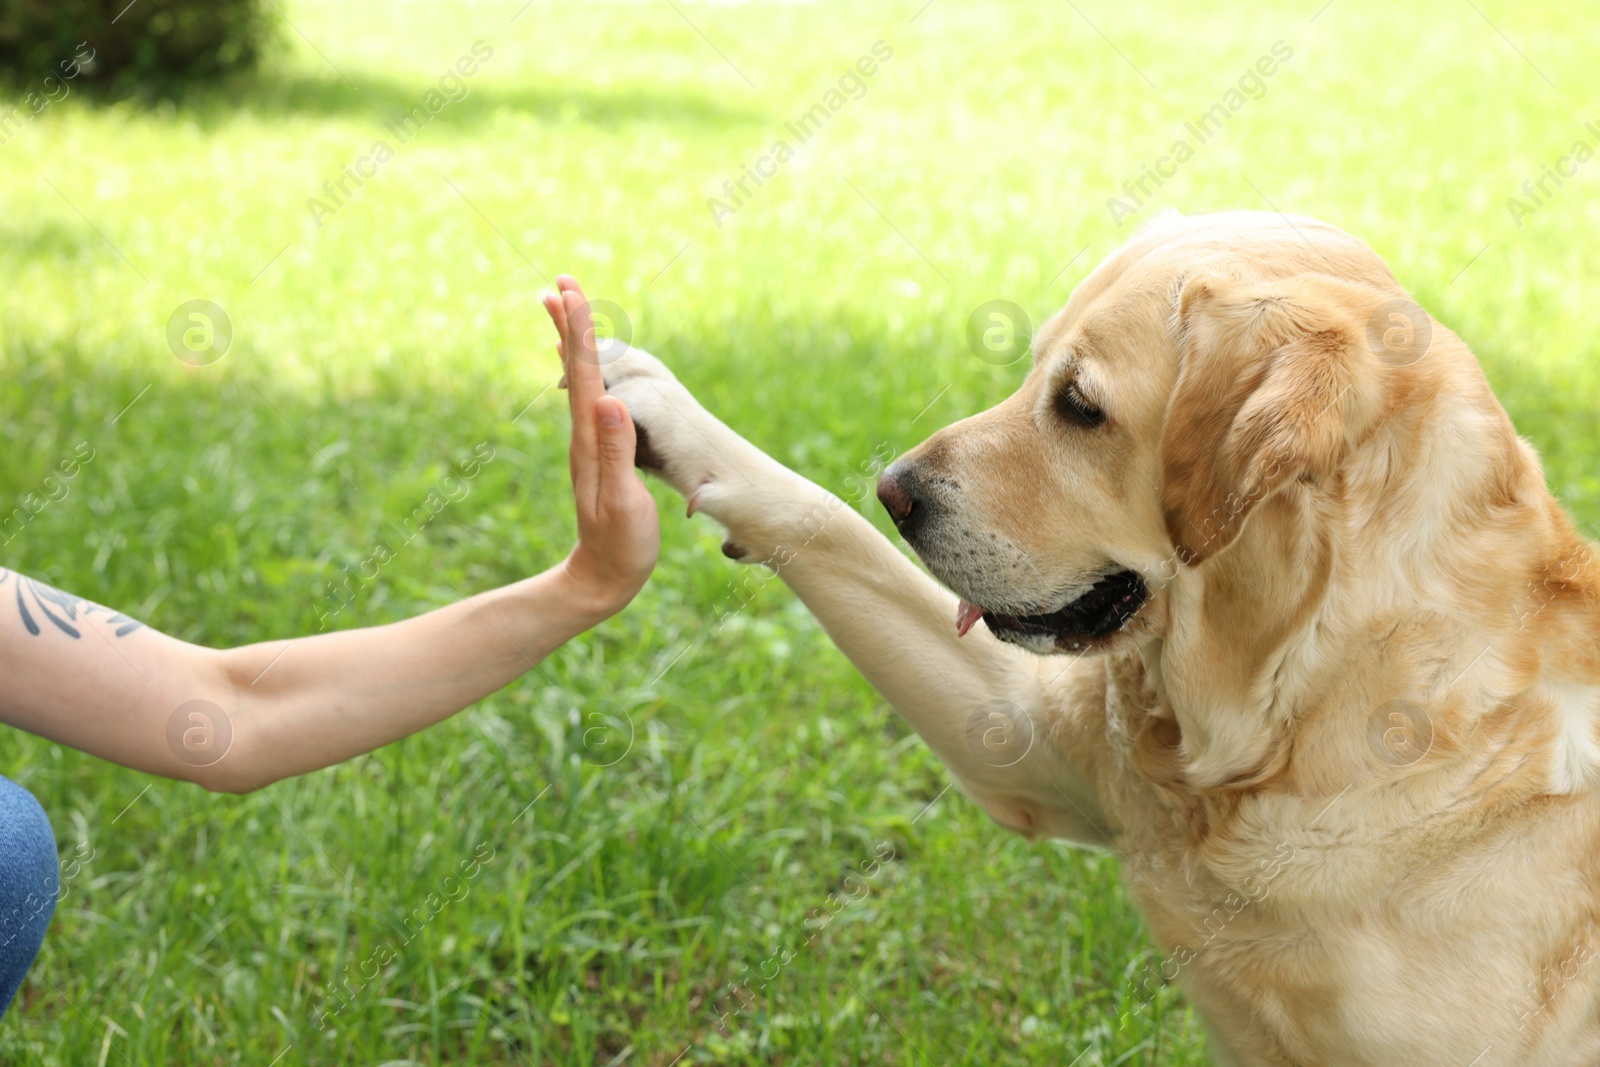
(619, 533)
(241, 718)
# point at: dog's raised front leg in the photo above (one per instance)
(977, 703)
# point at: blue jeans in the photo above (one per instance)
(29, 884)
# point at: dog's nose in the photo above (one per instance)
(897, 491)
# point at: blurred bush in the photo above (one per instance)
(142, 45)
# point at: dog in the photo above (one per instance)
(1253, 583)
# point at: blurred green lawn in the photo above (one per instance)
(748, 766)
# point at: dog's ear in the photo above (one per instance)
(1276, 384)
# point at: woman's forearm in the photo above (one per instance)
(309, 702)
(238, 719)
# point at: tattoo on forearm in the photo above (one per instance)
(62, 609)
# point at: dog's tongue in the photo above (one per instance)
(967, 616)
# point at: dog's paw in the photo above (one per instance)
(763, 504)
(678, 439)
(622, 362)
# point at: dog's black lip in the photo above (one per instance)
(1102, 611)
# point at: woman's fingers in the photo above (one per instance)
(603, 438)
(557, 305)
(584, 387)
(557, 312)
(627, 530)
(584, 383)
(558, 318)
(617, 444)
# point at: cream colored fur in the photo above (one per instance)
(1347, 750)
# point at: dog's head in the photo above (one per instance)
(1214, 368)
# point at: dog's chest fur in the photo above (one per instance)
(1300, 925)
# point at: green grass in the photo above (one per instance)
(824, 319)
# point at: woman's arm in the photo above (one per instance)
(239, 719)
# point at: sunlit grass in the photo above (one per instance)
(825, 318)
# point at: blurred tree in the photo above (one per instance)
(127, 45)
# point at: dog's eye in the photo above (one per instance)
(1075, 410)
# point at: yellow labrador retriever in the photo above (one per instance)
(1275, 603)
